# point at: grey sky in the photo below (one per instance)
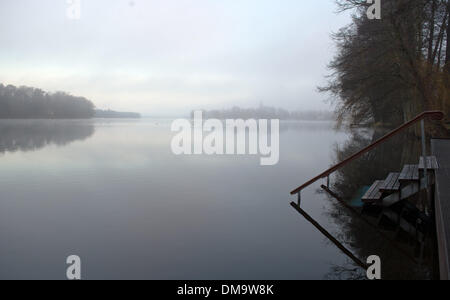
(167, 57)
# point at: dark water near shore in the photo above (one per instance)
(112, 192)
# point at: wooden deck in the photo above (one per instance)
(441, 149)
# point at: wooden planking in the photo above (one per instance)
(441, 149)
(391, 183)
(370, 191)
(409, 173)
(374, 193)
(404, 172)
(432, 163)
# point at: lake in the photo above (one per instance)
(113, 193)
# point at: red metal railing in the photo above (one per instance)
(433, 115)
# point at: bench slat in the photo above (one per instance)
(432, 163)
(391, 183)
(409, 173)
(374, 193)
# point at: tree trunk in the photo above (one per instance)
(431, 36)
(447, 53)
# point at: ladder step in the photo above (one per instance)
(391, 183)
(373, 194)
(432, 163)
(409, 173)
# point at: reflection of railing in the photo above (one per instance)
(434, 115)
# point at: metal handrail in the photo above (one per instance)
(433, 115)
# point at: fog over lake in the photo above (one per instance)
(112, 192)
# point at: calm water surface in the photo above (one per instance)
(112, 192)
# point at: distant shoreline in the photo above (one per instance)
(110, 114)
(265, 112)
(33, 103)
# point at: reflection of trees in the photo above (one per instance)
(30, 135)
(363, 240)
(311, 126)
(347, 272)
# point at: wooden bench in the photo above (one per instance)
(391, 183)
(409, 173)
(432, 163)
(373, 194)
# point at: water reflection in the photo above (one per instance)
(351, 182)
(131, 209)
(32, 135)
(312, 126)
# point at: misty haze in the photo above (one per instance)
(90, 91)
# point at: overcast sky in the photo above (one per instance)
(166, 57)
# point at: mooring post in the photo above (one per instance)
(299, 195)
(328, 181)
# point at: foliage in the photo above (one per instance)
(26, 102)
(389, 70)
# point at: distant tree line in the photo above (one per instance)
(387, 71)
(99, 113)
(264, 112)
(27, 102)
